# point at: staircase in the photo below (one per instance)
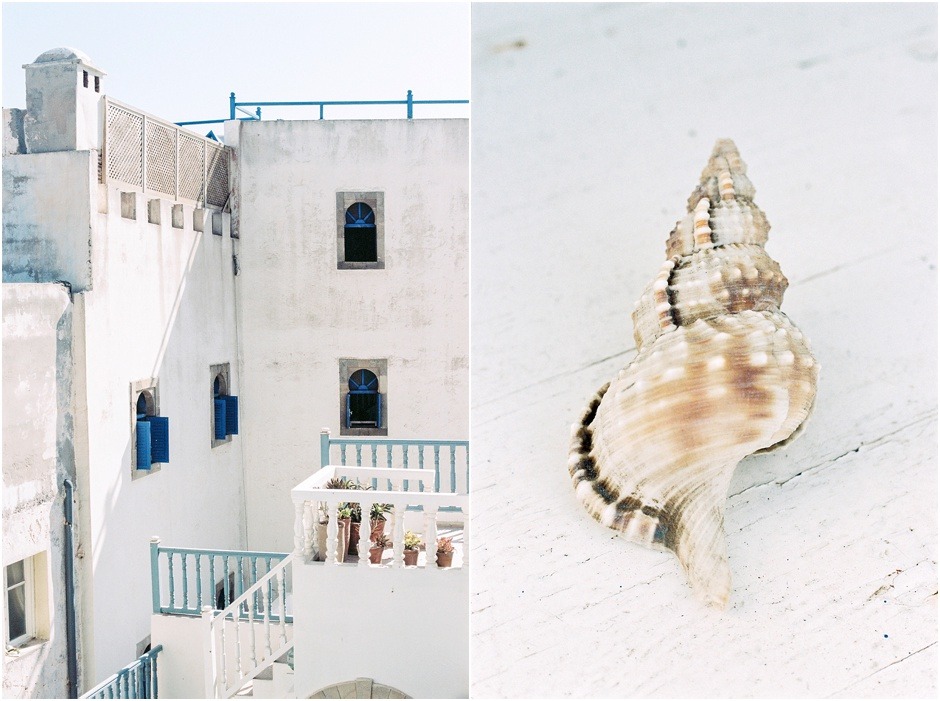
(250, 634)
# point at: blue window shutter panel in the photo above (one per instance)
(220, 418)
(378, 399)
(348, 410)
(159, 438)
(143, 445)
(231, 415)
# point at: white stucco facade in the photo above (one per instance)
(153, 305)
(300, 313)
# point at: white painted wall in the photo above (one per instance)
(406, 628)
(181, 664)
(47, 213)
(299, 314)
(37, 322)
(163, 307)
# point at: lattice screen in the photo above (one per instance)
(177, 162)
(161, 158)
(217, 175)
(191, 154)
(125, 145)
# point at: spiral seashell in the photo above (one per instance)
(720, 373)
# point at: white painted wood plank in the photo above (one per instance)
(587, 141)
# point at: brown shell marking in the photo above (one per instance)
(720, 373)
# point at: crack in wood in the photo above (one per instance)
(881, 669)
(881, 440)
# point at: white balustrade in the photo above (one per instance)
(312, 499)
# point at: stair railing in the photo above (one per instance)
(240, 642)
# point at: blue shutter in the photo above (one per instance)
(220, 418)
(348, 410)
(143, 445)
(231, 415)
(159, 438)
(378, 399)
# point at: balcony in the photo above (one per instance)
(226, 618)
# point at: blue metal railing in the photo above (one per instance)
(398, 453)
(235, 107)
(196, 578)
(138, 680)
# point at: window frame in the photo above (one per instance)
(376, 202)
(347, 368)
(150, 385)
(223, 370)
(29, 585)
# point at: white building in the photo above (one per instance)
(307, 274)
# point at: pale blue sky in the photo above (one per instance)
(180, 61)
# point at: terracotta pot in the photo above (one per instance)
(354, 528)
(411, 557)
(378, 528)
(445, 559)
(342, 539)
(375, 555)
(321, 541)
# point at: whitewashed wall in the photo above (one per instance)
(405, 628)
(298, 314)
(162, 306)
(47, 220)
(37, 435)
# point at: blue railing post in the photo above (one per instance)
(231, 106)
(410, 103)
(155, 571)
(324, 447)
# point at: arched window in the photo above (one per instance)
(224, 406)
(359, 234)
(152, 436)
(363, 401)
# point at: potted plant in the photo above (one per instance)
(445, 552)
(377, 518)
(378, 547)
(412, 543)
(342, 536)
(324, 518)
(356, 519)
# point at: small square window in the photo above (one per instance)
(150, 431)
(360, 230)
(85, 79)
(97, 83)
(224, 406)
(27, 615)
(363, 397)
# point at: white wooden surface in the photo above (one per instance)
(590, 128)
